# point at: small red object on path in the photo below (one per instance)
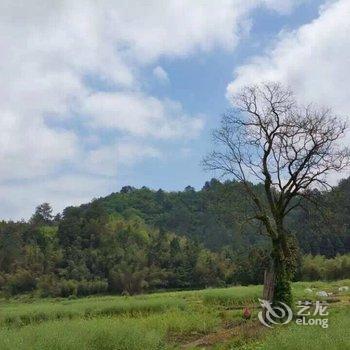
(247, 313)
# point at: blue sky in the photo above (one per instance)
(98, 95)
(199, 82)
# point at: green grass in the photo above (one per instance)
(23, 314)
(121, 333)
(167, 320)
(330, 287)
(335, 337)
(232, 297)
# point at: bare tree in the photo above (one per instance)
(290, 149)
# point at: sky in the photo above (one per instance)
(96, 95)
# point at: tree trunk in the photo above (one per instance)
(282, 288)
(269, 285)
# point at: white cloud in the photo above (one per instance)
(283, 7)
(20, 199)
(93, 177)
(29, 149)
(178, 27)
(56, 55)
(139, 114)
(106, 160)
(313, 60)
(161, 74)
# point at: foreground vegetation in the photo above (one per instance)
(210, 318)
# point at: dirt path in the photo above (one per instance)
(243, 331)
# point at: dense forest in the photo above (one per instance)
(140, 239)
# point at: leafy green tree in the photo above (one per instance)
(43, 215)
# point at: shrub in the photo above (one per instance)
(68, 288)
(319, 268)
(20, 282)
(2, 281)
(48, 286)
(126, 280)
(92, 287)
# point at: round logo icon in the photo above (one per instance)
(272, 315)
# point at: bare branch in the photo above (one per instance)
(269, 138)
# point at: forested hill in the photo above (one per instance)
(215, 216)
(138, 240)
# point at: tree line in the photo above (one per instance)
(139, 240)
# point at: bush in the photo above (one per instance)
(48, 286)
(68, 288)
(123, 280)
(345, 267)
(319, 268)
(2, 281)
(20, 282)
(92, 287)
(51, 286)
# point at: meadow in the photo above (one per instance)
(205, 319)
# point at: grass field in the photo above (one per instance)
(206, 319)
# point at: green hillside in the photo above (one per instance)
(142, 240)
